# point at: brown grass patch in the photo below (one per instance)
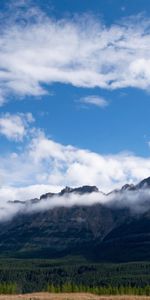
(69, 296)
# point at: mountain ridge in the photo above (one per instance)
(97, 231)
(145, 183)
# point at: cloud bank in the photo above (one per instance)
(43, 164)
(137, 202)
(38, 50)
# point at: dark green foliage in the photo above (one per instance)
(75, 275)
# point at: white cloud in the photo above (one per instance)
(14, 126)
(94, 100)
(26, 193)
(46, 163)
(82, 52)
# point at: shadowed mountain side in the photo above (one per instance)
(128, 242)
(56, 232)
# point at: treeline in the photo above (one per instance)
(34, 275)
(105, 290)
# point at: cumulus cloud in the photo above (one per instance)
(84, 52)
(45, 163)
(94, 100)
(14, 126)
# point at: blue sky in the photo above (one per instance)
(74, 94)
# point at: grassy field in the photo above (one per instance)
(69, 296)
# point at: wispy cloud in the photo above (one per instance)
(15, 126)
(82, 52)
(94, 100)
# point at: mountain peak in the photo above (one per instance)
(85, 189)
(66, 190)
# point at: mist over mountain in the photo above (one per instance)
(79, 221)
(133, 197)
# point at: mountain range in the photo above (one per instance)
(107, 231)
